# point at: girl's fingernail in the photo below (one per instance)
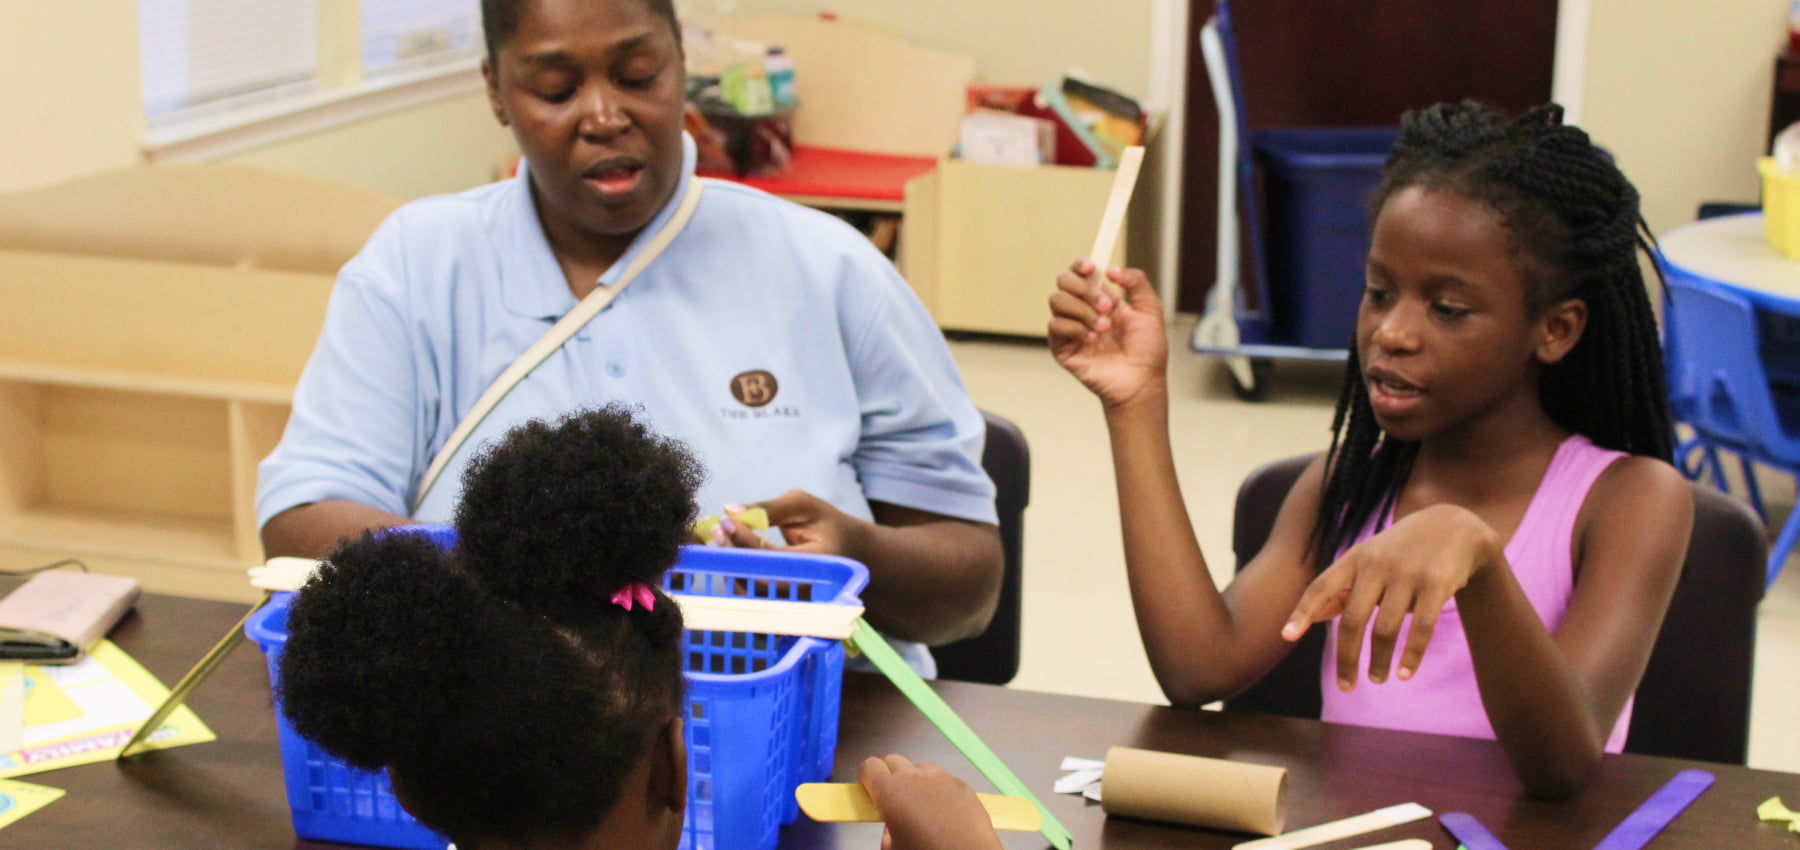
(719, 534)
(1406, 673)
(1345, 684)
(1377, 678)
(1103, 324)
(1104, 304)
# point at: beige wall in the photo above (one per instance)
(71, 100)
(69, 97)
(1679, 91)
(1011, 42)
(445, 146)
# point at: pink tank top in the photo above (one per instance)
(1442, 697)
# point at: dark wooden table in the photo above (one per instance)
(230, 793)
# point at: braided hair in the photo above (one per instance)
(504, 691)
(1575, 230)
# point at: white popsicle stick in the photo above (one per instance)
(703, 613)
(1338, 830)
(1124, 181)
(767, 616)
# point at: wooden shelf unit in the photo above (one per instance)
(136, 399)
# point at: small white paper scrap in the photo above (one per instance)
(1075, 782)
(1073, 763)
(1092, 792)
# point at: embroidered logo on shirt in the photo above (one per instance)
(755, 388)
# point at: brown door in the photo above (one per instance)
(1348, 63)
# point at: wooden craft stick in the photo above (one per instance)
(1124, 180)
(848, 802)
(704, 613)
(1340, 829)
(768, 616)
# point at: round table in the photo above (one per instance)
(1732, 250)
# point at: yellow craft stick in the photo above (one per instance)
(1124, 181)
(756, 518)
(846, 802)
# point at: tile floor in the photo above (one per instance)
(1079, 635)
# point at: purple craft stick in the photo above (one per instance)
(1668, 802)
(1469, 831)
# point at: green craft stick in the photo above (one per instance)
(933, 707)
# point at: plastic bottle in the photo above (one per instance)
(757, 99)
(780, 67)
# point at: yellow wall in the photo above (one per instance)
(1026, 43)
(444, 146)
(1679, 91)
(69, 96)
(72, 106)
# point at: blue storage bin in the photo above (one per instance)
(1316, 184)
(762, 713)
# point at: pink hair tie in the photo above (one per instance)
(636, 591)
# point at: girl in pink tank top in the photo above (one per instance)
(1493, 537)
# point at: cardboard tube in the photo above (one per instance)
(1196, 791)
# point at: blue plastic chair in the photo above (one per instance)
(1719, 385)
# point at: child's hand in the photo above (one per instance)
(1414, 567)
(1117, 349)
(925, 808)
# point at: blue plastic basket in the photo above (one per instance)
(762, 713)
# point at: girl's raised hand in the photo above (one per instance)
(1414, 567)
(1117, 349)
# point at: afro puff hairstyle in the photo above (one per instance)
(497, 682)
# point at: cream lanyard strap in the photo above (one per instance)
(558, 334)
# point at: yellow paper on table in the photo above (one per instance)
(18, 799)
(84, 712)
(1772, 809)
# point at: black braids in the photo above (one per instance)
(1576, 227)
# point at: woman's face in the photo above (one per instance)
(593, 91)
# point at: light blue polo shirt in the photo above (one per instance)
(773, 339)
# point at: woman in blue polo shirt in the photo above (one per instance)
(772, 339)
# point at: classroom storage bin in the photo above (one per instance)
(762, 713)
(1316, 185)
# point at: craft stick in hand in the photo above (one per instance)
(1124, 180)
(283, 573)
(833, 802)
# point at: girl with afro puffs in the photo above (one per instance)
(511, 702)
